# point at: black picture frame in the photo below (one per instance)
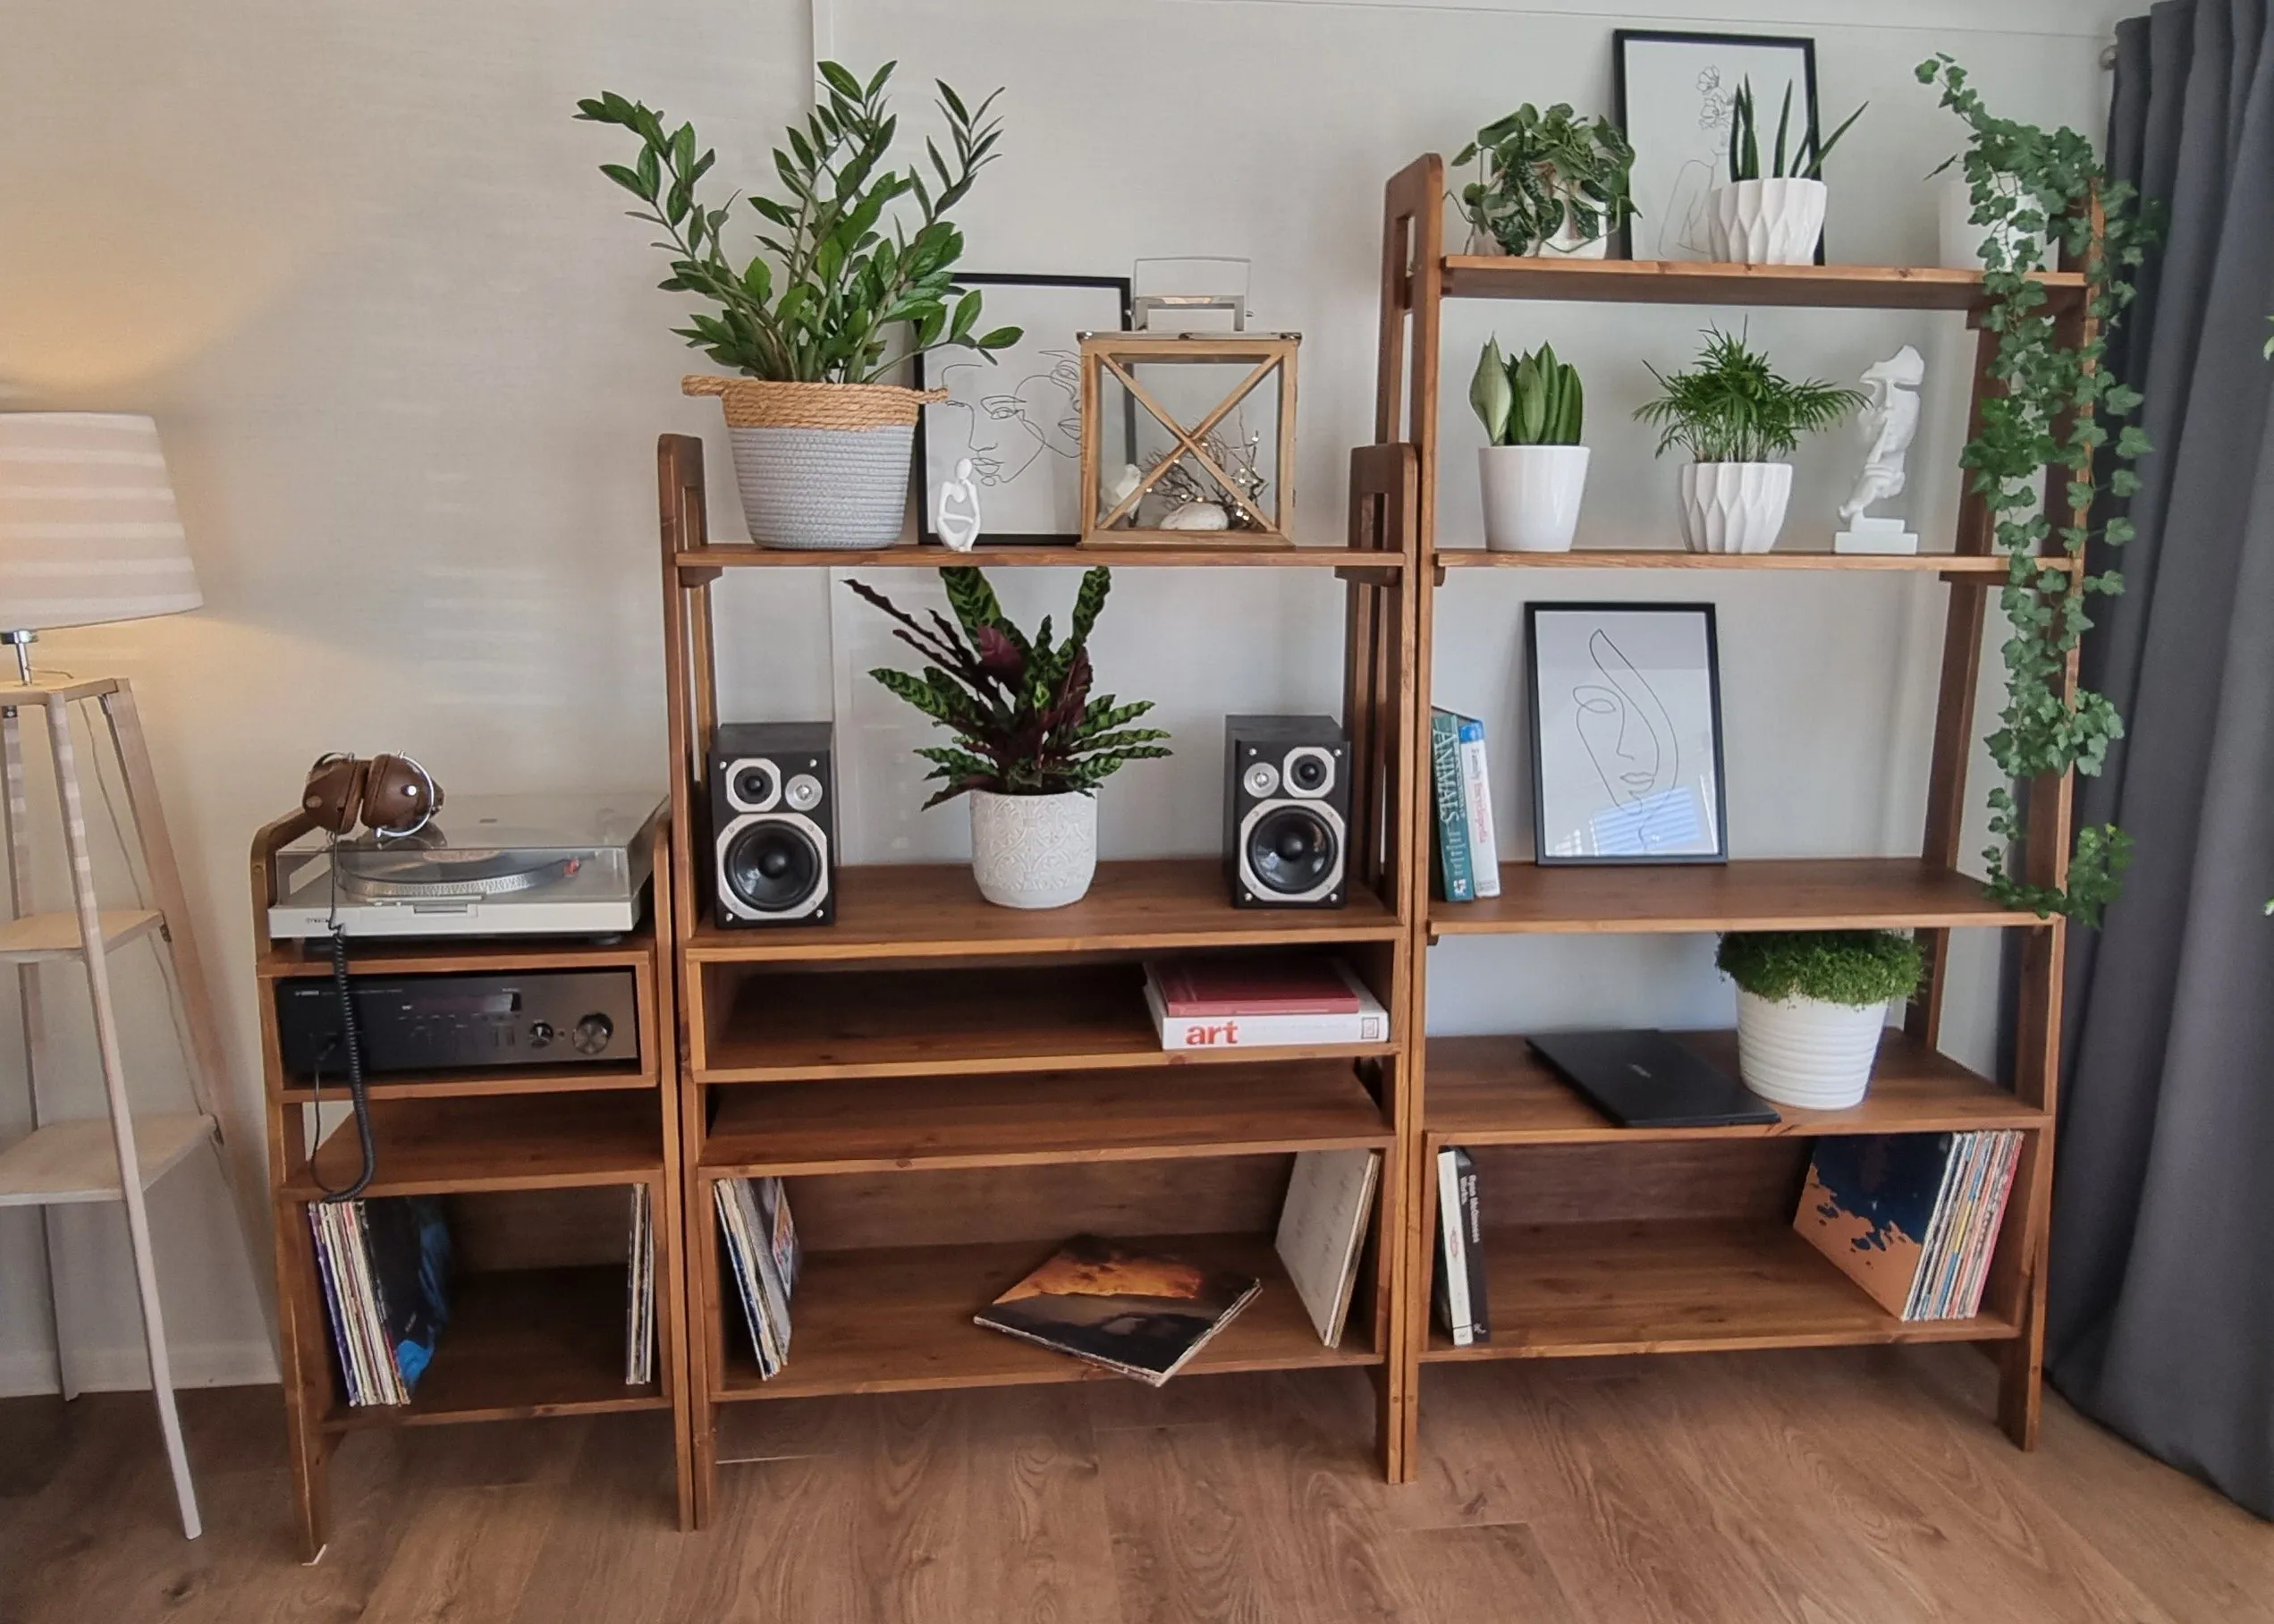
(1622, 38)
(939, 368)
(1541, 803)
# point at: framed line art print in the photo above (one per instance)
(1626, 706)
(1017, 419)
(1672, 94)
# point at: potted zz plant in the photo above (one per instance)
(1532, 467)
(1553, 183)
(1811, 1005)
(1031, 745)
(1777, 217)
(1736, 416)
(821, 446)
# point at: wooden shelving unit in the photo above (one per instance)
(1604, 1240)
(953, 1087)
(536, 1168)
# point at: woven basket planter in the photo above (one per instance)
(819, 465)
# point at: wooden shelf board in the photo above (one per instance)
(77, 1161)
(1008, 1121)
(478, 1083)
(1575, 1291)
(947, 1022)
(37, 937)
(1676, 558)
(732, 555)
(1757, 894)
(1849, 287)
(934, 910)
(459, 956)
(1495, 1091)
(899, 1320)
(524, 1343)
(493, 1142)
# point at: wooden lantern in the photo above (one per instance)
(1259, 510)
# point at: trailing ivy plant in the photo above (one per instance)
(2050, 409)
(1019, 706)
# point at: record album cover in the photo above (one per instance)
(1140, 1313)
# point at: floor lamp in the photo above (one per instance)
(88, 535)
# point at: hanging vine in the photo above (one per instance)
(2030, 186)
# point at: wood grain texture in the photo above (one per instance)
(1853, 287)
(1238, 554)
(1753, 893)
(1675, 558)
(491, 1143)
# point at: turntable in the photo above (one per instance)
(496, 866)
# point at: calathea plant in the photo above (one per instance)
(1543, 171)
(2049, 413)
(1019, 706)
(844, 269)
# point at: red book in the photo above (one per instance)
(1201, 987)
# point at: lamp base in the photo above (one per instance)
(22, 640)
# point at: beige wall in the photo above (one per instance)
(409, 364)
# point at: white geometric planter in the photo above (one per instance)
(1766, 221)
(1033, 851)
(1734, 507)
(1532, 496)
(1803, 1051)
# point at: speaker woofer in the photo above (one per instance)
(1293, 851)
(774, 867)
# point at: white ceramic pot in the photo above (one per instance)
(1734, 507)
(1033, 851)
(1766, 221)
(1569, 244)
(1803, 1051)
(1530, 496)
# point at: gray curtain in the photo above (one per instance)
(2162, 1278)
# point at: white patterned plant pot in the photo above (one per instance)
(1033, 851)
(1766, 221)
(824, 488)
(1804, 1052)
(1734, 507)
(1532, 496)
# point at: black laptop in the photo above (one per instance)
(1646, 1080)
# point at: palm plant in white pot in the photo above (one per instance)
(1810, 1007)
(843, 294)
(1533, 467)
(1737, 417)
(1771, 212)
(1031, 745)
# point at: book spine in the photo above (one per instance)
(1456, 877)
(1367, 1024)
(1472, 1216)
(1452, 1257)
(1483, 850)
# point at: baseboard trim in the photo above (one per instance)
(30, 1372)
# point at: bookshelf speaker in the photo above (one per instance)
(1287, 811)
(774, 814)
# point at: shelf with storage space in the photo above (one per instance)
(950, 1089)
(1605, 1240)
(535, 1168)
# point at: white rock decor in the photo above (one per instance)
(1033, 851)
(1734, 507)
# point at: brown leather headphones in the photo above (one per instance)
(390, 795)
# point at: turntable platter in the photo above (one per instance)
(398, 872)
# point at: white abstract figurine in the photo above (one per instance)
(1119, 490)
(1889, 420)
(956, 515)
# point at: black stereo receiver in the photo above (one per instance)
(434, 1023)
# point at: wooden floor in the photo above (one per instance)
(1853, 1485)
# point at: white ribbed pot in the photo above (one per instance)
(1734, 507)
(1532, 496)
(819, 465)
(1766, 221)
(1804, 1052)
(1033, 851)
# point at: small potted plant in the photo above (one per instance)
(1551, 183)
(1031, 745)
(822, 445)
(1811, 1005)
(1531, 465)
(1737, 416)
(1776, 218)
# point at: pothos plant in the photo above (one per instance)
(1019, 706)
(1542, 170)
(2049, 411)
(844, 272)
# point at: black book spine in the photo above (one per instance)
(1472, 1222)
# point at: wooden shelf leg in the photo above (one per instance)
(307, 1381)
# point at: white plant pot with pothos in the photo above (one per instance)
(1033, 851)
(1532, 496)
(1805, 1051)
(1773, 222)
(1734, 507)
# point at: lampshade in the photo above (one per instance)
(88, 529)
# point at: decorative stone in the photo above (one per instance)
(1196, 516)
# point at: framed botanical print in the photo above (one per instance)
(1018, 418)
(1626, 733)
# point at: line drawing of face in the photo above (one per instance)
(1009, 428)
(1626, 728)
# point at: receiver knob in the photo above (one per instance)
(593, 1033)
